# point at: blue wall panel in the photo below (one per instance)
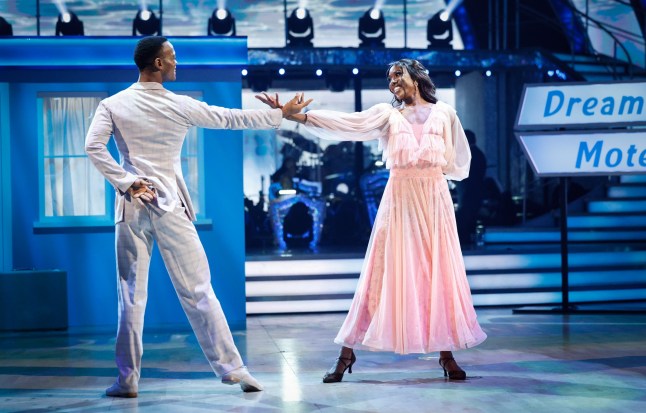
(6, 263)
(87, 253)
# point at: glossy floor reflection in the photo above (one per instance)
(530, 363)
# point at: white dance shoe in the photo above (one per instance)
(117, 391)
(242, 376)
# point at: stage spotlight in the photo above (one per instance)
(372, 29)
(221, 23)
(146, 24)
(5, 27)
(439, 31)
(68, 24)
(488, 73)
(300, 28)
(458, 73)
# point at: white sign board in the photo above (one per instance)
(585, 153)
(582, 105)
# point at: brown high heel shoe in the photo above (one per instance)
(336, 377)
(455, 374)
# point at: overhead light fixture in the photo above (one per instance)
(300, 28)
(372, 29)
(146, 23)
(221, 23)
(439, 31)
(68, 24)
(5, 27)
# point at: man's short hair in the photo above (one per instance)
(147, 50)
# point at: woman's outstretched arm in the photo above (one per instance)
(334, 125)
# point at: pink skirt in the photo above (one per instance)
(413, 295)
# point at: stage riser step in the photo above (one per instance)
(289, 289)
(256, 270)
(627, 191)
(602, 78)
(514, 262)
(498, 279)
(528, 236)
(488, 300)
(606, 221)
(614, 206)
(592, 69)
(632, 179)
(569, 58)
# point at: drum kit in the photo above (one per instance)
(327, 173)
(325, 183)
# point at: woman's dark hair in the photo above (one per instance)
(147, 50)
(419, 74)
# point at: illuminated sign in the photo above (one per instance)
(555, 121)
(585, 153)
(582, 105)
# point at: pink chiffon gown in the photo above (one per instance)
(413, 295)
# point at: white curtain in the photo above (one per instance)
(191, 166)
(72, 185)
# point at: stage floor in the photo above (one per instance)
(530, 363)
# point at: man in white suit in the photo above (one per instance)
(149, 124)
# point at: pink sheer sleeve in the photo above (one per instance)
(457, 154)
(359, 126)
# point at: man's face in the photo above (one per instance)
(168, 62)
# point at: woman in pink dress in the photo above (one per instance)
(413, 295)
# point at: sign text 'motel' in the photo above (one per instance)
(583, 106)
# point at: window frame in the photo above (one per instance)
(77, 221)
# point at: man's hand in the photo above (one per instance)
(142, 189)
(271, 101)
(292, 107)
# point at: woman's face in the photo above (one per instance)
(401, 84)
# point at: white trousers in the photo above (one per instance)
(186, 262)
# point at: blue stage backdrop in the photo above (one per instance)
(45, 238)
